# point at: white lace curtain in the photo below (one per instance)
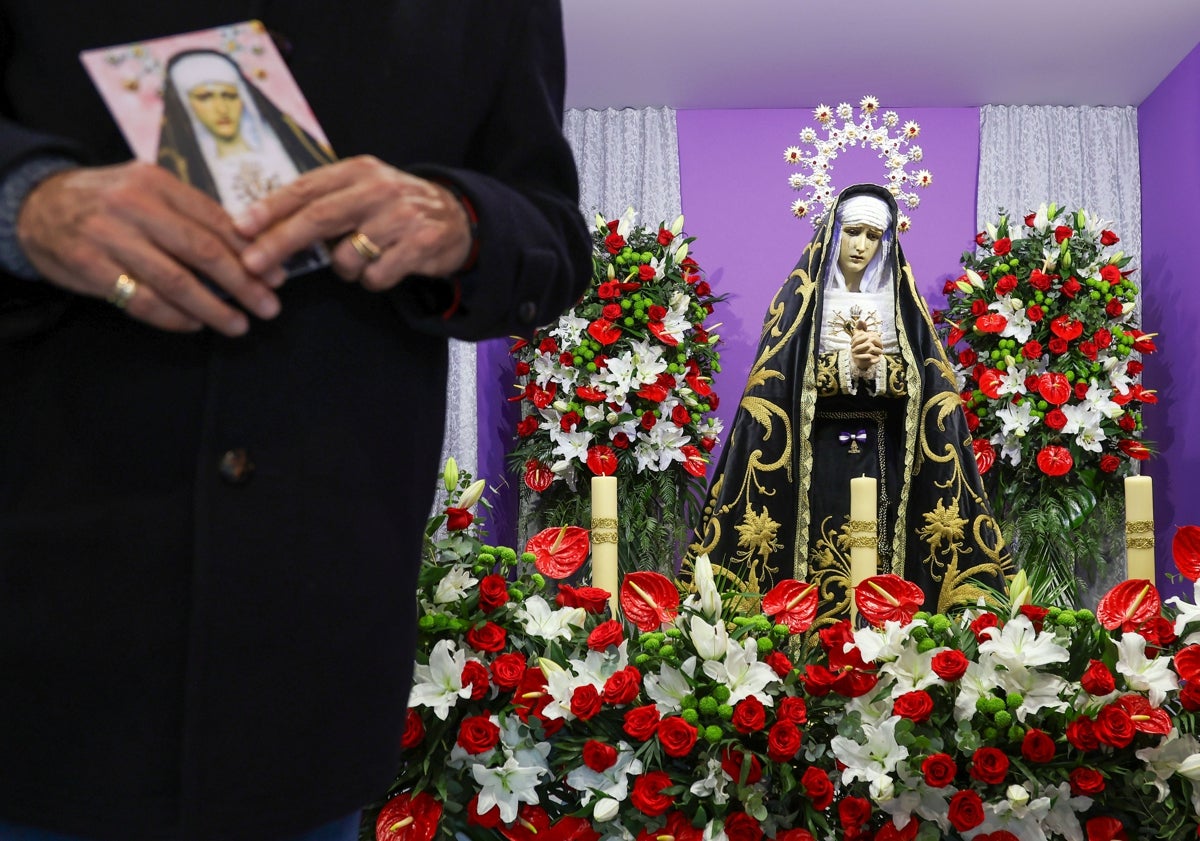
(1077, 156)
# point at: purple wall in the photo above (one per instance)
(1169, 139)
(736, 202)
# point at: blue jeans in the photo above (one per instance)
(344, 829)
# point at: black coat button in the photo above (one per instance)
(527, 312)
(235, 466)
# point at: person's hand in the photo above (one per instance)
(866, 347)
(82, 229)
(382, 224)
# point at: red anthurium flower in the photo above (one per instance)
(888, 597)
(694, 461)
(1066, 327)
(954, 336)
(1054, 460)
(604, 331)
(1129, 605)
(660, 332)
(590, 394)
(571, 828)
(1187, 662)
(1146, 719)
(532, 824)
(985, 454)
(648, 599)
(1054, 388)
(408, 817)
(1185, 546)
(653, 392)
(991, 323)
(1133, 448)
(989, 383)
(601, 460)
(792, 603)
(559, 551)
(537, 475)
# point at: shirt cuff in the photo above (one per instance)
(15, 186)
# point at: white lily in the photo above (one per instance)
(454, 586)
(506, 787)
(1189, 612)
(1143, 674)
(438, 685)
(667, 689)
(540, 620)
(874, 760)
(708, 594)
(1016, 419)
(1018, 646)
(1063, 818)
(743, 673)
(613, 782)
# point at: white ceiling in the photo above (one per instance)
(709, 54)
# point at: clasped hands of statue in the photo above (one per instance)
(84, 228)
(866, 348)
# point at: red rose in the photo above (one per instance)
(1089, 350)
(966, 810)
(981, 623)
(1002, 246)
(414, 730)
(779, 663)
(475, 675)
(1035, 313)
(493, 592)
(585, 701)
(591, 599)
(680, 415)
(641, 722)
(614, 242)
(794, 835)
(1006, 284)
(980, 240)
(1133, 368)
(599, 756)
(605, 634)
(508, 669)
(458, 519)
(1032, 349)
(677, 736)
(972, 420)
(1054, 460)
(939, 770)
(527, 426)
(742, 827)
(1055, 419)
(1086, 782)
(648, 420)
(734, 763)
(569, 421)
(1097, 679)
(1039, 280)
(1081, 733)
(1057, 346)
(950, 286)
(817, 787)
(478, 734)
(664, 237)
(646, 272)
(648, 795)
(1062, 232)
(1030, 218)
(979, 307)
(1035, 614)
(916, 706)
(1114, 308)
(622, 686)
(1127, 422)
(792, 709)
(783, 741)
(989, 765)
(1109, 463)
(853, 812)
(1037, 746)
(703, 290)
(1114, 727)
(489, 637)
(749, 716)
(1111, 273)
(967, 357)
(1071, 287)
(1189, 696)
(1081, 387)
(950, 665)
(1105, 829)
(566, 358)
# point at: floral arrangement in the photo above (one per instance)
(1043, 334)
(818, 159)
(621, 385)
(537, 715)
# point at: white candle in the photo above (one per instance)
(604, 537)
(1139, 527)
(864, 529)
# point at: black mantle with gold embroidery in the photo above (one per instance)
(778, 504)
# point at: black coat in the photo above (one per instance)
(185, 653)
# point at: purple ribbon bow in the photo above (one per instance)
(847, 437)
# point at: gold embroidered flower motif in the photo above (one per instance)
(943, 524)
(757, 533)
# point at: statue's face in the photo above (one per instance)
(219, 108)
(859, 244)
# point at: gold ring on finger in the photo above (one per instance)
(366, 249)
(122, 292)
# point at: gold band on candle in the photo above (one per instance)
(864, 542)
(604, 523)
(863, 525)
(1139, 527)
(1139, 543)
(605, 536)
